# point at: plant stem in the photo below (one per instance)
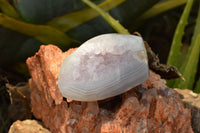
(114, 23)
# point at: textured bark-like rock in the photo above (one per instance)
(150, 107)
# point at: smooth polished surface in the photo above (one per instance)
(104, 66)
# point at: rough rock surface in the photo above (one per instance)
(28, 126)
(150, 107)
(191, 101)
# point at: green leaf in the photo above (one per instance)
(190, 67)
(173, 58)
(8, 9)
(43, 33)
(175, 50)
(185, 68)
(196, 33)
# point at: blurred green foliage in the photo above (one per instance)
(27, 24)
(189, 64)
(64, 23)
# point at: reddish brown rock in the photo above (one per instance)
(150, 107)
(191, 101)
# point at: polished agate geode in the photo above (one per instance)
(104, 66)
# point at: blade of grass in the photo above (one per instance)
(157, 10)
(114, 23)
(196, 32)
(194, 37)
(8, 9)
(190, 67)
(43, 33)
(175, 50)
(71, 20)
(193, 70)
(177, 39)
